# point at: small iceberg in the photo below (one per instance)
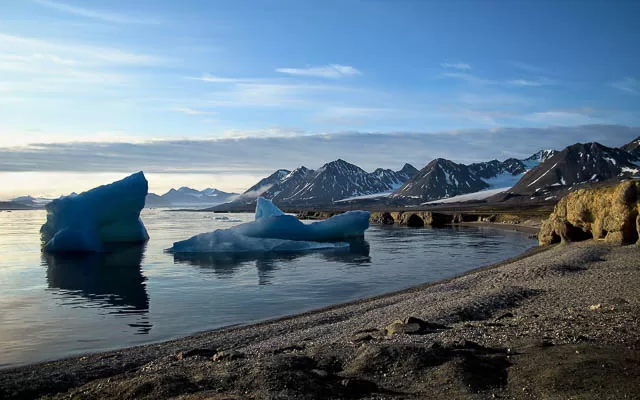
(274, 231)
(91, 220)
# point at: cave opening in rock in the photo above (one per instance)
(555, 238)
(575, 234)
(415, 221)
(387, 219)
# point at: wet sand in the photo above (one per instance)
(558, 323)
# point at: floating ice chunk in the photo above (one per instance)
(265, 208)
(90, 220)
(273, 231)
(340, 227)
(229, 241)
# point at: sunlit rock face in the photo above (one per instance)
(609, 213)
(92, 220)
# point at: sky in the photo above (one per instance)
(207, 93)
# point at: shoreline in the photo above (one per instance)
(513, 319)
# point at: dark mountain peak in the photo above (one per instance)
(301, 170)
(577, 164)
(188, 190)
(340, 166)
(541, 155)
(439, 179)
(441, 162)
(408, 170)
(632, 147)
(265, 184)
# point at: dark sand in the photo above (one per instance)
(558, 324)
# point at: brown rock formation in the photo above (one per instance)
(609, 213)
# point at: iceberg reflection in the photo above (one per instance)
(226, 264)
(112, 281)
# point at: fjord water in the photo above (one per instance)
(56, 306)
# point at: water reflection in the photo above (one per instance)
(225, 265)
(112, 281)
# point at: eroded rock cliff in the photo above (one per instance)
(609, 213)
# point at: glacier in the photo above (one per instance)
(274, 231)
(90, 221)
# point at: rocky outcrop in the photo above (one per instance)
(608, 213)
(413, 219)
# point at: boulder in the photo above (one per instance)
(609, 213)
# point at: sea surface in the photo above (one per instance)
(53, 307)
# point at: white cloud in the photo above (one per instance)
(192, 111)
(95, 14)
(628, 85)
(526, 82)
(559, 117)
(219, 79)
(470, 78)
(20, 48)
(456, 65)
(527, 67)
(328, 71)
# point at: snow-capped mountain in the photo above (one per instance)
(290, 184)
(538, 158)
(440, 179)
(265, 184)
(633, 147)
(395, 179)
(31, 201)
(334, 181)
(154, 201)
(578, 164)
(188, 197)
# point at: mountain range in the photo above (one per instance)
(333, 181)
(188, 197)
(544, 176)
(183, 197)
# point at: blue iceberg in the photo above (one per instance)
(90, 221)
(274, 231)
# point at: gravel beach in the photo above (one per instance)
(559, 322)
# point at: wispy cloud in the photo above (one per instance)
(628, 85)
(467, 77)
(560, 117)
(27, 47)
(527, 67)
(192, 111)
(333, 71)
(527, 82)
(456, 65)
(95, 14)
(219, 79)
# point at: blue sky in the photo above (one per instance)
(255, 73)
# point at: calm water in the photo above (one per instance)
(52, 307)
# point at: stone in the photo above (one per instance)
(412, 326)
(196, 352)
(363, 337)
(227, 355)
(595, 307)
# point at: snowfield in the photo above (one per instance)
(470, 196)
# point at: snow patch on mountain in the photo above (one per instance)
(469, 196)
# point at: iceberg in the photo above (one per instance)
(274, 231)
(90, 221)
